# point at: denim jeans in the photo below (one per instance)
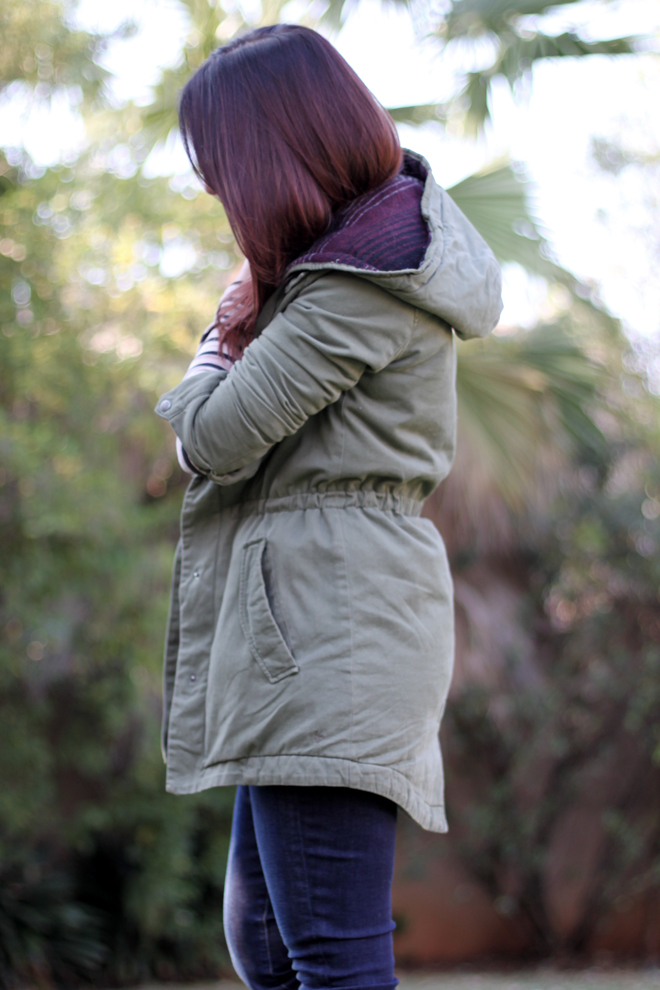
(308, 890)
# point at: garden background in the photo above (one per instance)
(111, 264)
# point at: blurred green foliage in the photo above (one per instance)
(100, 871)
(107, 279)
(513, 35)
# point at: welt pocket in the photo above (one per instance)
(260, 628)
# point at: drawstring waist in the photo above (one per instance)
(306, 501)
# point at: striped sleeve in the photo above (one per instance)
(208, 357)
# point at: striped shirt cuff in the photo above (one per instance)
(207, 357)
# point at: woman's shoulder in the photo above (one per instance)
(343, 313)
(343, 292)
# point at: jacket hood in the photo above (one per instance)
(410, 238)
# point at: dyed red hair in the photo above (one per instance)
(280, 128)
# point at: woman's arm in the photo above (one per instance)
(318, 347)
(209, 358)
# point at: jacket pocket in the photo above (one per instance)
(262, 632)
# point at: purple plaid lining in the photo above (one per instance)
(383, 230)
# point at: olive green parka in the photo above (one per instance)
(310, 637)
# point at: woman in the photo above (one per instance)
(310, 639)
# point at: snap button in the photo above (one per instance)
(165, 405)
(193, 677)
(196, 574)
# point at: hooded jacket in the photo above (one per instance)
(310, 637)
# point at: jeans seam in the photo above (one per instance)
(264, 921)
(307, 883)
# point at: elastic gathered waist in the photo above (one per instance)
(305, 501)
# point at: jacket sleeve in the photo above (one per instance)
(316, 348)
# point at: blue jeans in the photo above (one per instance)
(308, 890)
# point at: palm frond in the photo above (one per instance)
(470, 17)
(334, 14)
(526, 395)
(496, 201)
(516, 57)
(573, 381)
(475, 97)
(420, 114)
(519, 53)
(502, 420)
(528, 407)
(336, 11)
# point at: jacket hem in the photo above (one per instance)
(314, 771)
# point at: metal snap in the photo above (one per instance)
(165, 405)
(196, 574)
(193, 677)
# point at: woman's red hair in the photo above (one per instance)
(280, 128)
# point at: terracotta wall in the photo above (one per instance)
(444, 917)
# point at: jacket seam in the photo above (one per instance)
(413, 325)
(350, 628)
(348, 584)
(172, 641)
(216, 555)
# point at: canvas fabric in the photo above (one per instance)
(310, 638)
